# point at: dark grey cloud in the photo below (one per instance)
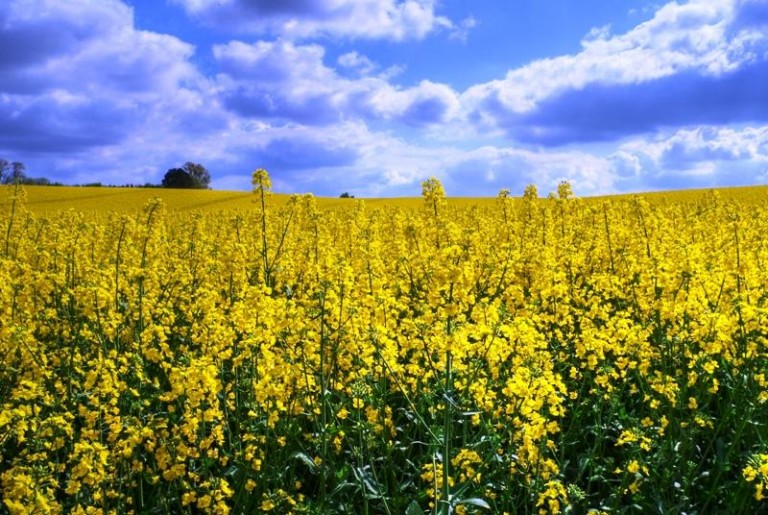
(289, 155)
(25, 46)
(47, 127)
(77, 75)
(608, 112)
(426, 111)
(299, 162)
(29, 43)
(370, 19)
(34, 34)
(310, 110)
(283, 7)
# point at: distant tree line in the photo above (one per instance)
(189, 176)
(15, 173)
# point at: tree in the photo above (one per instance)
(178, 178)
(4, 167)
(14, 173)
(17, 174)
(189, 176)
(198, 172)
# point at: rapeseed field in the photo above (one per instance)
(286, 354)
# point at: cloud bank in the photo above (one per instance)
(677, 100)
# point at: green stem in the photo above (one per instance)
(445, 501)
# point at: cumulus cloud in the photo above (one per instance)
(87, 78)
(698, 62)
(600, 112)
(370, 19)
(57, 122)
(98, 97)
(677, 101)
(690, 146)
(82, 46)
(303, 153)
(486, 170)
(424, 104)
(704, 156)
(282, 80)
(368, 163)
(356, 62)
(85, 94)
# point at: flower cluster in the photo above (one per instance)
(520, 355)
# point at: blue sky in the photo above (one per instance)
(371, 97)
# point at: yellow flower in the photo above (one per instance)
(260, 180)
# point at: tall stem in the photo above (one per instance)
(264, 254)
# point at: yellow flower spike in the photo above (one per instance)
(260, 180)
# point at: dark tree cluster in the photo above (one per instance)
(189, 176)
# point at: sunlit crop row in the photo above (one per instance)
(523, 356)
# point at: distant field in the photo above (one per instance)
(47, 199)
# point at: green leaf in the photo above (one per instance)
(413, 509)
(474, 501)
(309, 462)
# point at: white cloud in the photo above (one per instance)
(286, 80)
(389, 165)
(358, 63)
(426, 103)
(276, 64)
(89, 48)
(514, 168)
(690, 146)
(89, 88)
(461, 30)
(352, 157)
(697, 36)
(368, 19)
(104, 98)
(692, 157)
